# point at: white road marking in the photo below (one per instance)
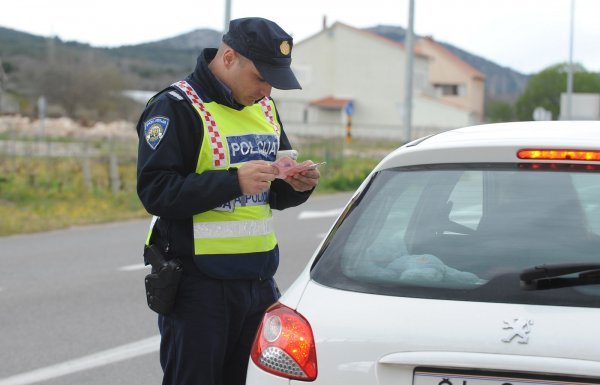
(320, 214)
(139, 266)
(120, 353)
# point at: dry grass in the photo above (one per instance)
(47, 193)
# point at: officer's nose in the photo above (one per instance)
(266, 90)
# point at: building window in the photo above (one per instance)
(449, 89)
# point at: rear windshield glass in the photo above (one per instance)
(467, 232)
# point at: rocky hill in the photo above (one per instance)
(144, 66)
(34, 65)
(179, 51)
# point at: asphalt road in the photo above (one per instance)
(72, 304)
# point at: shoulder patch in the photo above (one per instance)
(155, 129)
(175, 95)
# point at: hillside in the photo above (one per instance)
(169, 58)
(77, 78)
(501, 83)
(81, 80)
(159, 63)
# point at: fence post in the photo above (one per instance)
(113, 161)
(85, 166)
(13, 153)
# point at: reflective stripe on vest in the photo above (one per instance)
(234, 228)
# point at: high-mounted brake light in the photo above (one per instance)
(554, 154)
(284, 345)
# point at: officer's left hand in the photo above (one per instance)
(304, 181)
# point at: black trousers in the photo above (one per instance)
(207, 338)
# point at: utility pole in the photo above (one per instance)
(227, 15)
(408, 77)
(2, 82)
(569, 114)
(41, 104)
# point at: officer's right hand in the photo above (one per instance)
(256, 176)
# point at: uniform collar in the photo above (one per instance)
(210, 86)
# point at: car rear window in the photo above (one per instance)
(467, 232)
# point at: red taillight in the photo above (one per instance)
(284, 345)
(549, 154)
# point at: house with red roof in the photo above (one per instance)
(349, 72)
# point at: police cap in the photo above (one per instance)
(268, 46)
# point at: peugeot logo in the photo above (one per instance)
(518, 328)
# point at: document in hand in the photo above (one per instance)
(287, 167)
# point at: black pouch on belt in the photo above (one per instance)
(163, 282)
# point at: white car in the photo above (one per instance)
(470, 257)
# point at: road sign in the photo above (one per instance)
(349, 108)
(540, 113)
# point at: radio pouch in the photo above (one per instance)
(162, 283)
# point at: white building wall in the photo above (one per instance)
(584, 106)
(347, 63)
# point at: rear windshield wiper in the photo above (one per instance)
(555, 275)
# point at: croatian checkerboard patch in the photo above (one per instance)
(155, 129)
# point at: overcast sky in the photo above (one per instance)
(526, 35)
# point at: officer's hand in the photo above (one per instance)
(256, 176)
(305, 180)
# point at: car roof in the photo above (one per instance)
(493, 143)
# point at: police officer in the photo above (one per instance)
(204, 171)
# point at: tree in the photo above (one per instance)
(500, 111)
(544, 89)
(88, 88)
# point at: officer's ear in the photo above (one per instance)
(229, 57)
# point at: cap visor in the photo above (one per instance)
(281, 78)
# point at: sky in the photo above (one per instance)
(525, 35)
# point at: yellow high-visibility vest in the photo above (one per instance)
(232, 137)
